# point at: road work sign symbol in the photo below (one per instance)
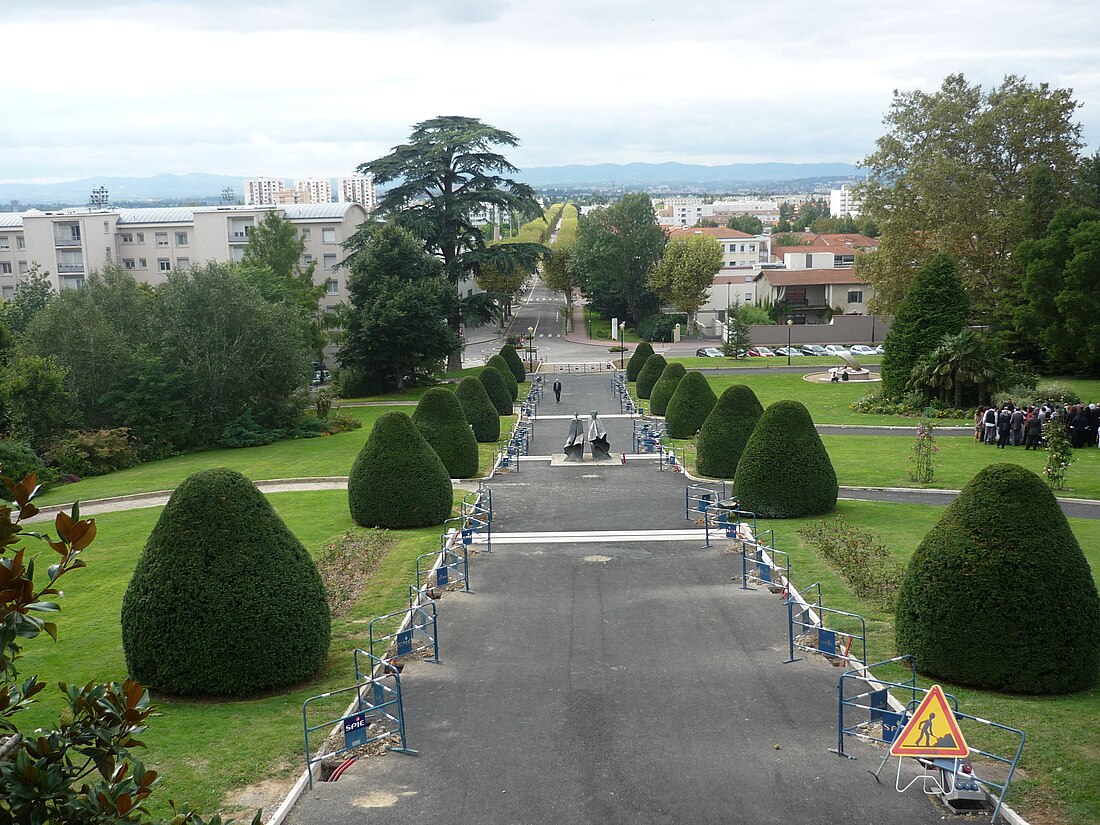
(932, 732)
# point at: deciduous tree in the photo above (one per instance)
(686, 271)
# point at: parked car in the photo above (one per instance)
(762, 352)
(879, 350)
(708, 352)
(836, 349)
(788, 351)
(814, 349)
(863, 349)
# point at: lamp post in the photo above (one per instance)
(622, 342)
(531, 348)
(790, 324)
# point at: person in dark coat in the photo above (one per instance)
(1004, 426)
(557, 390)
(1094, 425)
(1033, 429)
(1016, 422)
(1078, 427)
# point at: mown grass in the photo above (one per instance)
(1058, 775)
(205, 749)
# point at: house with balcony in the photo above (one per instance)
(811, 296)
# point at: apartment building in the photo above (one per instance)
(357, 189)
(739, 249)
(313, 190)
(842, 202)
(152, 243)
(264, 191)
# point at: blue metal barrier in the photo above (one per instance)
(759, 565)
(376, 713)
(698, 499)
(451, 565)
(829, 641)
(418, 635)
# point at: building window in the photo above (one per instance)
(748, 297)
(5, 268)
(23, 268)
(328, 236)
(183, 263)
(126, 237)
(181, 239)
(72, 282)
(733, 247)
(20, 242)
(162, 239)
(4, 244)
(330, 262)
(140, 237)
(742, 247)
(142, 263)
(106, 227)
(9, 293)
(752, 247)
(164, 265)
(855, 296)
(332, 286)
(127, 263)
(307, 259)
(305, 235)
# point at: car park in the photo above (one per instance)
(761, 351)
(863, 349)
(708, 352)
(814, 349)
(788, 351)
(836, 349)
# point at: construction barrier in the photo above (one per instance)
(807, 630)
(760, 563)
(698, 498)
(450, 566)
(417, 634)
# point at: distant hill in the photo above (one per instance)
(686, 173)
(122, 189)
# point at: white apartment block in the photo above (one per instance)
(264, 191)
(357, 189)
(313, 190)
(842, 202)
(739, 249)
(70, 244)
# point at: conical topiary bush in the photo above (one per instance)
(785, 471)
(479, 409)
(637, 360)
(397, 479)
(664, 388)
(499, 394)
(724, 434)
(501, 366)
(224, 601)
(650, 374)
(511, 357)
(440, 419)
(998, 594)
(689, 406)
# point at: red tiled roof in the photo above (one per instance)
(809, 277)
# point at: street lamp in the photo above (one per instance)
(531, 348)
(622, 342)
(790, 324)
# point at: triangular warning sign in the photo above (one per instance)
(932, 732)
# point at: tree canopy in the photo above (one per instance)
(686, 271)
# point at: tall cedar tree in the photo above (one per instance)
(446, 174)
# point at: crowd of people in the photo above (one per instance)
(1011, 426)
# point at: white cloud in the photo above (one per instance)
(126, 87)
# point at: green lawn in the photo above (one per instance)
(1058, 773)
(205, 748)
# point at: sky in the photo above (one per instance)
(316, 87)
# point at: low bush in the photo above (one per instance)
(398, 480)
(859, 556)
(92, 452)
(912, 405)
(497, 390)
(342, 423)
(659, 326)
(689, 406)
(246, 431)
(1024, 396)
(478, 409)
(18, 461)
(649, 375)
(665, 387)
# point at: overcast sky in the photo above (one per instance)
(315, 87)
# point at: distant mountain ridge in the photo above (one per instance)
(200, 186)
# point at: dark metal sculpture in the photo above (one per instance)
(574, 443)
(597, 434)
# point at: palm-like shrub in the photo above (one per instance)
(651, 372)
(397, 479)
(440, 419)
(637, 360)
(689, 406)
(724, 434)
(509, 354)
(224, 601)
(665, 387)
(501, 366)
(999, 595)
(784, 471)
(499, 394)
(478, 409)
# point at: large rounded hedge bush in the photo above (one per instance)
(637, 360)
(498, 391)
(501, 366)
(650, 374)
(440, 419)
(689, 406)
(999, 595)
(397, 479)
(784, 471)
(664, 388)
(515, 363)
(479, 409)
(724, 434)
(224, 601)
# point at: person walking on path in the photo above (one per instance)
(557, 390)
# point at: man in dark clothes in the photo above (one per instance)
(1033, 429)
(1017, 425)
(1004, 426)
(1079, 427)
(557, 390)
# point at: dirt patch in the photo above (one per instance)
(346, 565)
(268, 794)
